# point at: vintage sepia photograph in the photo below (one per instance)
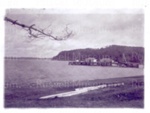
(71, 58)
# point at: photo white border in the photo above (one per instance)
(78, 4)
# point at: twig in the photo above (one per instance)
(41, 33)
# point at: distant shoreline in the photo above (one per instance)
(27, 58)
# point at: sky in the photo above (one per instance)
(95, 28)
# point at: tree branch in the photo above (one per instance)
(41, 33)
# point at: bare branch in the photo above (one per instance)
(40, 32)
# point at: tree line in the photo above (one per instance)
(115, 52)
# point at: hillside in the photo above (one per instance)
(117, 53)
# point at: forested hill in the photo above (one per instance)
(117, 53)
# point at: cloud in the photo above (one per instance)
(92, 30)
